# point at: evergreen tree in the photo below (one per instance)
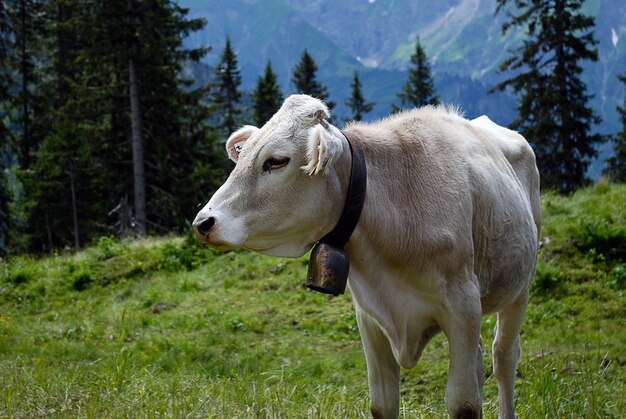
(26, 103)
(616, 165)
(267, 96)
(172, 116)
(419, 90)
(61, 202)
(5, 74)
(5, 134)
(226, 95)
(26, 20)
(553, 111)
(5, 215)
(134, 80)
(305, 79)
(357, 102)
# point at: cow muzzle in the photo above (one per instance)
(219, 230)
(328, 269)
(203, 226)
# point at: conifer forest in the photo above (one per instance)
(104, 132)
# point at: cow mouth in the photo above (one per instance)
(216, 244)
(221, 246)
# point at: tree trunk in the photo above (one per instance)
(139, 179)
(26, 141)
(74, 210)
(49, 233)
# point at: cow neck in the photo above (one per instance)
(355, 197)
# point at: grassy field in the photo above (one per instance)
(166, 328)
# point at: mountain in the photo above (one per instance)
(462, 38)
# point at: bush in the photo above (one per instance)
(617, 277)
(107, 248)
(548, 281)
(604, 237)
(21, 271)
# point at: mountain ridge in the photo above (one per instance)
(462, 38)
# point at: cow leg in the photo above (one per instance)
(383, 371)
(480, 369)
(465, 376)
(506, 353)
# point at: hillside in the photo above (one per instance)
(462, 39)
(167, 328)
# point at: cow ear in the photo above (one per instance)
(319, 115)
(323, 149)
(235, 142)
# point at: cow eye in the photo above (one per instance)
(275, 163)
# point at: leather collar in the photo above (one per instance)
(355, 198)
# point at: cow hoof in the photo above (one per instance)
(467, 413)
(378, 413)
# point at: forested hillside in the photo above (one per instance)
(102, 134)
(463, 38)
(113, 114)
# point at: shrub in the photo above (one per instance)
(617, 277)
(603, 236)
(21, 271)
(548, 281)
(107, 248)
(81, 281)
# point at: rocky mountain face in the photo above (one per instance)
(462, 38)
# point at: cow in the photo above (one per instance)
(448, 232)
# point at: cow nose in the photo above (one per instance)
(204, 227)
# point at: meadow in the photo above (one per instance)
(164, 327)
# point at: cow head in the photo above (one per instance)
(287, 189)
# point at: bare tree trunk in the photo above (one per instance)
(49, 232)
(139, 177)
(26, 141)
(74, 210)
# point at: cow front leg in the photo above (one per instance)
(383, 371)
(462, 328)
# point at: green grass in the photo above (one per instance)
(167, 328)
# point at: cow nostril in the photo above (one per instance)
(205, 226)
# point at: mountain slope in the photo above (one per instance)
(463, 41)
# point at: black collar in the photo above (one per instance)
(355, 198)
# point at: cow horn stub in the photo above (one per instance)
(328, 269)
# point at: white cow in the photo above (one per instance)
(449, 232)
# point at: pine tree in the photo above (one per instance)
(419, 90)
(553, 111)
(27, 103)
(60, 181)
(172, 116)
(5, 134)
(5, 74)
(5, 215)
(267, 96)
(305, 80)
(357, 102)
(616, 165)
(134, 81)
(227, 95)
(26, 20)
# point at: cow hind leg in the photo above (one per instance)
(383, 371)
(480, 370)
(465, 375)
(506, 353)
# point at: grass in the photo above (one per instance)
(167, 328)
